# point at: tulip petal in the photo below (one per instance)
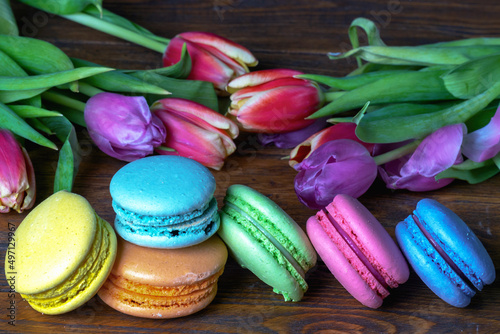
(260, 77)
(340, 166)
(248, 92)
(484, 143)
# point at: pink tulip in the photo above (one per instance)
(484, 143)
(195, 131)
(214, 58)
(123, 126)
(338, 131)
(17, 176)
(436, 153)
(273, 101)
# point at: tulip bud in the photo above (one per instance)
(213, 58)
(273, 101)
(338, 131)
(340, 166)
(196, 132)
(436, 153)
(123, 126)
(17, 176)
(484, 143)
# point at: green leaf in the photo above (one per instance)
(34, 55)
(63, 7)
(8, 24)
(371, 30)
(472, 172)
(402, 87)
(18, 95)
(44, 81)
(199, 91)
(11, 121)
(473, 77)
(482, 118)
(26, 111)
(468, 42)
(69, 155)
(117, 81)
(179, 70)
(399, 128)
(419, 55)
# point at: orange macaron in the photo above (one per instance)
(164, 283)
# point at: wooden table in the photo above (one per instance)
(290, 34)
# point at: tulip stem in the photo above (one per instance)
(397, 153)
(88, 90)
(64, 100)
(117, 31)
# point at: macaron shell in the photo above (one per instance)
(371, 237)
(274, 219)
(164, 283)
(457, 240)
(428, 265)
(340, 267)
(52, 241)
(251, 254)
(162, 186)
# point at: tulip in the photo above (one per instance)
(196, 132)
(123, 126)
(273, 101)
(213, 58)
(341, 166)
(437, 152)
(293, 138)
(484, 143)
(17, 176)
(338, 131)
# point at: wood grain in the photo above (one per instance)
(292, 34)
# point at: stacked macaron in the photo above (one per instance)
(169, 258)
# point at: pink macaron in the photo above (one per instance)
(358, 250)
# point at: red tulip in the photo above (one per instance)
(273, 101)
(338, 131)
(17, 176)
(195, 131)
(213, 58)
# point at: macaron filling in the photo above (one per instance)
(271, 238)
(444, 255)
(352, 245)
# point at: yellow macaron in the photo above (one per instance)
(64, 252)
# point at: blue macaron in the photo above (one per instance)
(164, 202)
(445, 253)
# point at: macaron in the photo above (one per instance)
(357, 250)
(63, 254)
(164, 283)
(164, 202)
(445, 253)
(266, 240)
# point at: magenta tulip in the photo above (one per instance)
(214, 58)
(273, 101)
(484, 143)
(123, 126)
(437, 152)
(196, 132)
(17, 176)
(341, 166)
(337, 131)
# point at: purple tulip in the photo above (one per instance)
(340, 166)
(292, 138)
(483, 144)
(123, 126)
(437, 152)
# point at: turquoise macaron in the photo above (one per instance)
(164, 202)
(263, 238)
(445, 253)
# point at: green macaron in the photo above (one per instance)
(264, 239)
